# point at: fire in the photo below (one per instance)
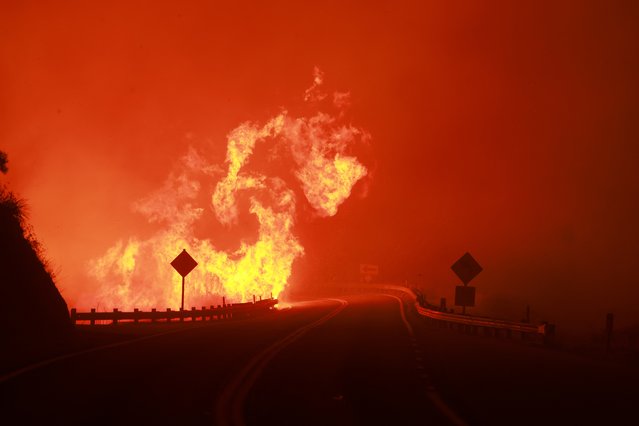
(137, 272)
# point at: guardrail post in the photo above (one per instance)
(549, 333)
(610, 318)
(442, 304)
(168, 314)
(73, 315)
(181, 314)
(92, 316)
(135, 315)
(193, 313)
(115, 316)
(153, 311)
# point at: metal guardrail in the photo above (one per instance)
(236, 310)
(473, 323)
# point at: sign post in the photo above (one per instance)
(183, 264)
(466, 268)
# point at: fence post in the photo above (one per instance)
(115, 316)
(193, 313)
(135, 316)
(610, 318)
(153, 315)
(181, 314)
(442, 304)
(254, 299)
(168, 314)
(549, 333)
(92, 316)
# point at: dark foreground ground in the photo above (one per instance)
(350, 360)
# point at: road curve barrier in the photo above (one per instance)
(221, 312)
(472, 324)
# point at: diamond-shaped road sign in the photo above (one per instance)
(466, 268)
(184, 263)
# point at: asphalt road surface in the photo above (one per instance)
(351, 360)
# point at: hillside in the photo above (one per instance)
(33, 314)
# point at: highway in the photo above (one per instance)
(347, 360)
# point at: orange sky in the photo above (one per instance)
(507, 130)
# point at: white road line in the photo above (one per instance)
(50, 361)
(401, 311)
(229, 405)
(432, 394)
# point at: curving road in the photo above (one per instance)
(363, 359)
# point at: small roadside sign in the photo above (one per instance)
(368, 271)
(464, 296)
(466, 268)
(183, 264)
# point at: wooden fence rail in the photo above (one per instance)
(221, 312)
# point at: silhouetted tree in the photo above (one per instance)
(3, 162)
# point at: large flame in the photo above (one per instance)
(137, 272)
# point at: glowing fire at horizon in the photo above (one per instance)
(137, 272)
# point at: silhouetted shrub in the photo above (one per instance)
(32, 311)
(3, 162)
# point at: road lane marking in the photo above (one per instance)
(230, 404)
(431, 392)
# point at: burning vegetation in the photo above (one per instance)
(314, 161)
